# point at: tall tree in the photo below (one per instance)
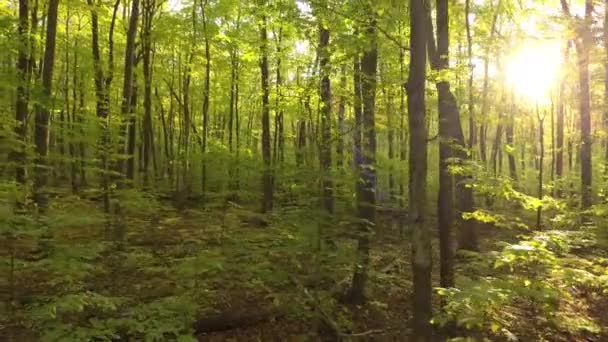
(605, 86)
(421, 236)
(103, 82)
(43, 109)
(148, 12)
(509, 137)
(470, 99)
(206, 91)
(448, 119)
(326, 104)
(21, 105)
(267, 173)
(366, 159)
(341, 124)
(127, 110)
(583, 42)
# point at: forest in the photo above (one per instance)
(304, 170)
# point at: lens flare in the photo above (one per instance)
(534, 69)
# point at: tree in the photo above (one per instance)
(149, 8)
(21, 105)
(421, 237)
(365, 160)
(583, 41)
(326, 103)
(267, 173)
(206, 90)
(127, 109)
(42, 110)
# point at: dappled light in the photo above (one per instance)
(303, 170)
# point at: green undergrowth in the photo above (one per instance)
(149, 273)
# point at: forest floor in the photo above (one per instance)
(240, 275)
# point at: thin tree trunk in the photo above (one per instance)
(278, 118)
(471, 102)
(447, 112)
(206, 92)
(267, 173)
(541, 159)
(127, 91)
(559, 141)
(496, 146)
(131, 127)
(605, 87)
(421, 236)
(585, 107)
(43, 110)
(326, 103)
(21, 105)
(484, 97)
(341, 122)
(366, 191)
(149, 7)
(509, 139)
(391, 145)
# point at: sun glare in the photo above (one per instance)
(534, 69)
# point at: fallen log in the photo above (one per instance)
(236, 319)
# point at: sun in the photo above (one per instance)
(534, 69)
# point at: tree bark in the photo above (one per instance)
(341, 119)
(102, 94)
(448, 117)
(366, 189)
(267, 173)
(421, 236)
(279, 149)
(127, 92)
(149, 6)
(206, 92)
(43, 110)
(605, 118)
(21, 105)
(583, 41)
(326, 103)
(471, 102)
(509, 139)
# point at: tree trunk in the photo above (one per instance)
(448, 117)
(278, 150)
(149, 7)
(403, 143)
(484, 97)
(267, 173)
(471, 102)
(605, 88)
(206, 92)
(541, 159)
(102, 94)
(131, 128)
(325, 95)
(43, 110)
(231, 119)
(496, 146)
(391, 145)
(127, 91)
(366, 191)
(584, 46)
(21, 105)
(559, 140)
(341, 116)
(421, 236)
(509, 139)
